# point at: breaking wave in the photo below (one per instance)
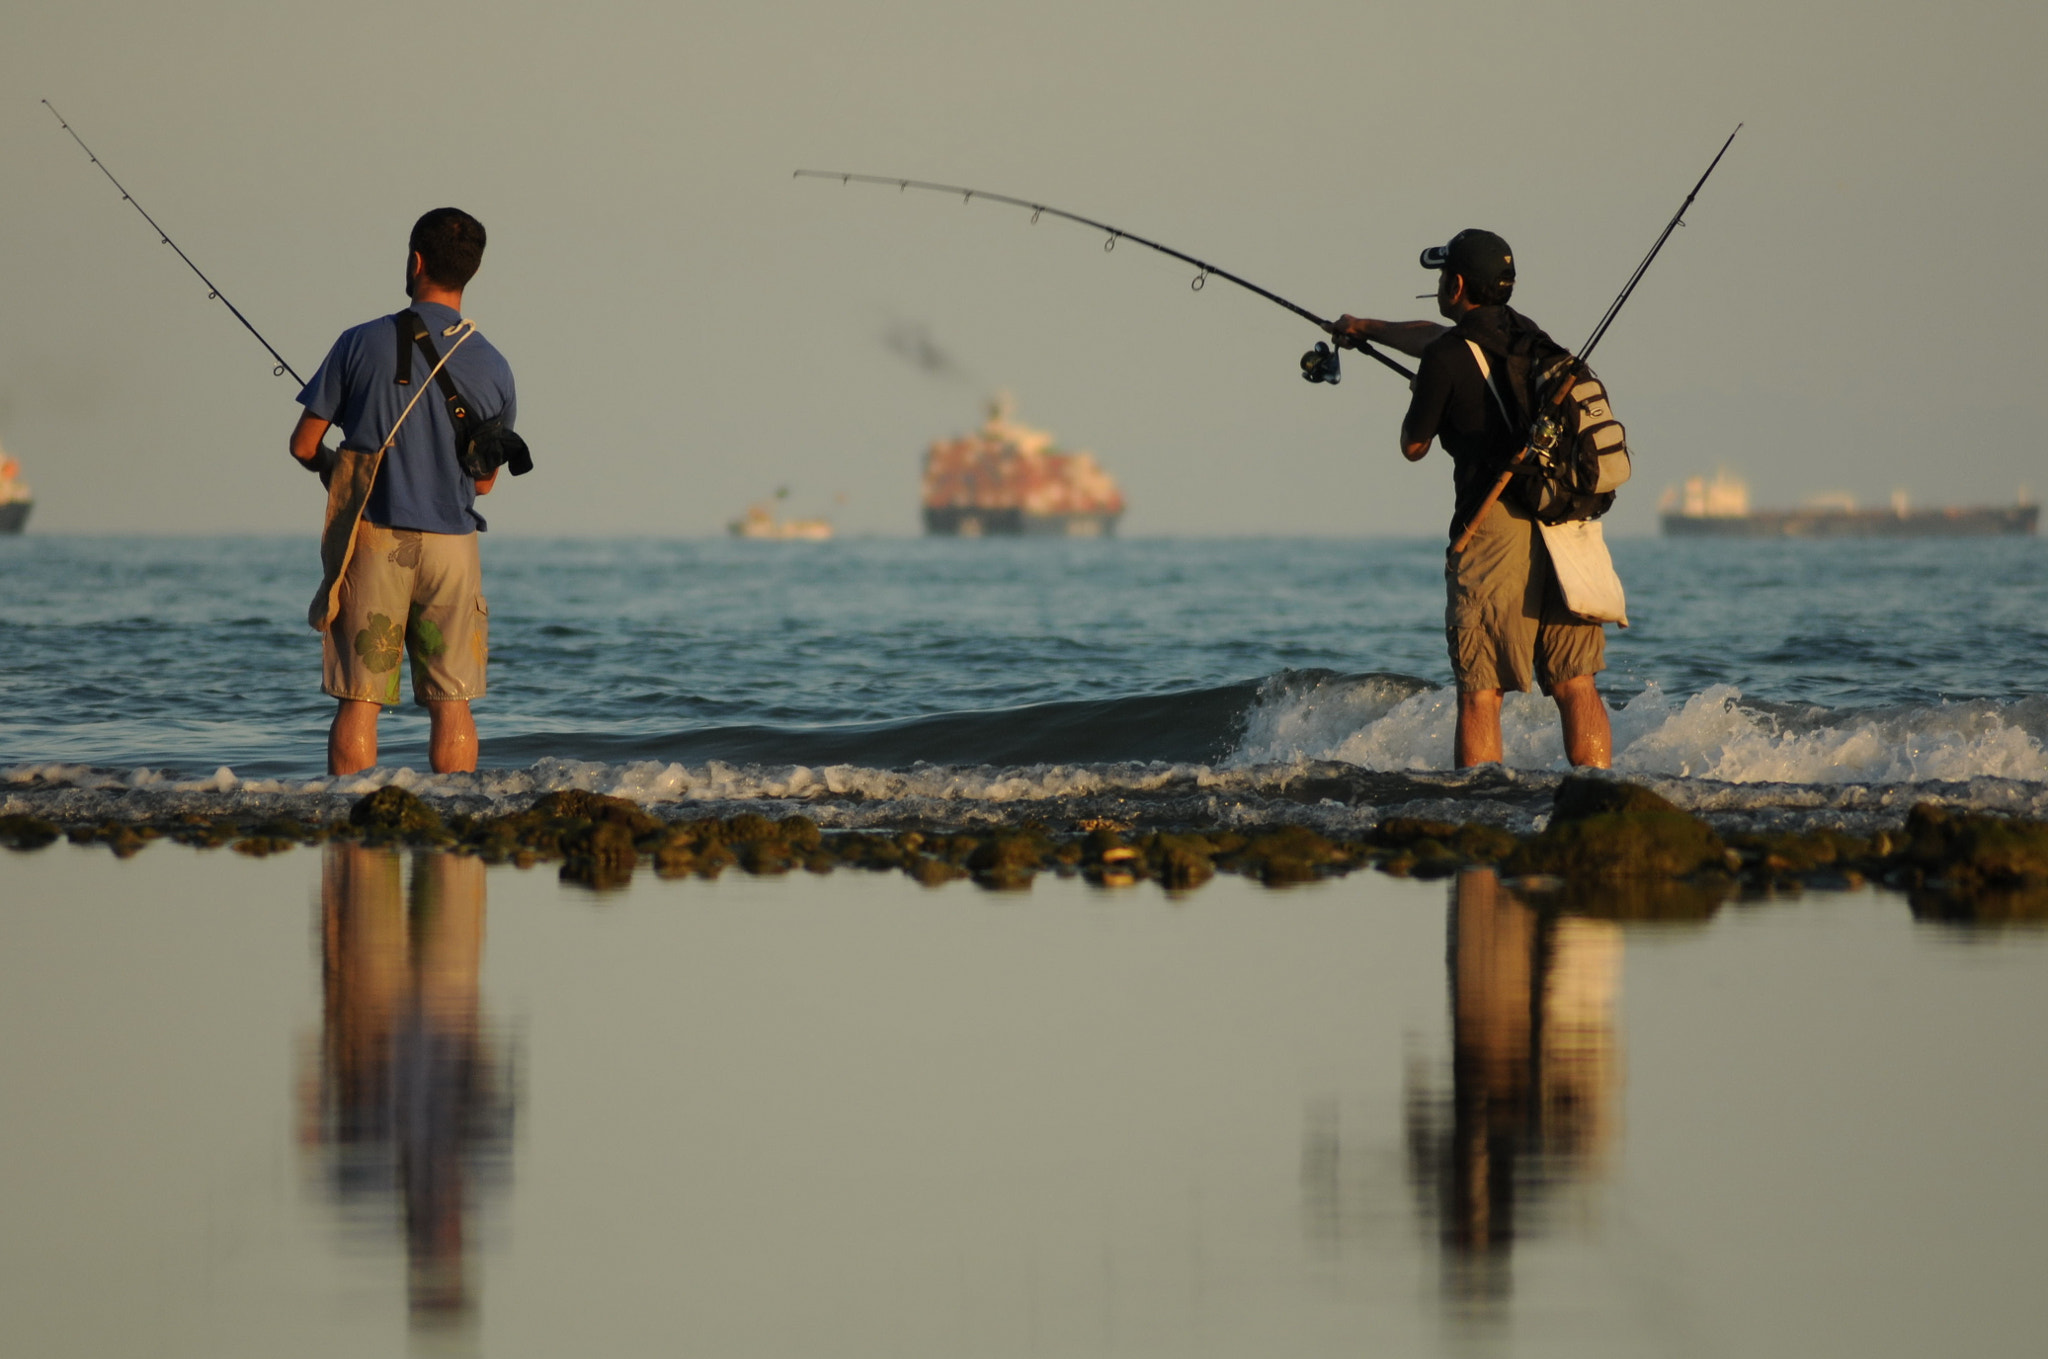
(1341, 749)
(1375, 722)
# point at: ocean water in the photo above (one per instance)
(359, 1102)
(889, 679)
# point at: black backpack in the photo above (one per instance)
(1578, 452)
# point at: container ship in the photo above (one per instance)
(15, 499)
(1008, 479)
(1718, 507)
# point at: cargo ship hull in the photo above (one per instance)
(955, 521)
(14, 515)
(1949, 523)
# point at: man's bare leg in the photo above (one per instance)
(1478, 727)
(1588, 740)
(352, 740)
(451, 744)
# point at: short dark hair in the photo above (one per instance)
(450, 244)
(1493, 294)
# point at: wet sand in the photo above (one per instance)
(358, 1101)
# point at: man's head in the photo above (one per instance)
(447, 245)
(1477, 266)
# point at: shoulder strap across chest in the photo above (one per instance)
(412, 332)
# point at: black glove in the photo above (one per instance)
(322, 462)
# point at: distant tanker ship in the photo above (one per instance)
(1008, 479)
(15, 499)
(1718, 507)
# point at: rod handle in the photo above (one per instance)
(1464, 540)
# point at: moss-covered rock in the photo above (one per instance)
(676, 857)
(748, 827)
(600, 854)
(1970, 850)
(933, 871)
(392, 811)
(577, 804)
(1476, 842)
(766, 858)
(1606, 830)
(1823, 851)
(800, 833)
(27, 832)
(1622, 845)
(862, 850)
(1287, 854)
(1403, 831)
(1584, 795)
(1008, 861)
(1181, 862)
(1100, 841)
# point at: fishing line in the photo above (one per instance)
(1113, 234)
(211, 291)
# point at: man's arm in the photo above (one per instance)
(307, 448)
(1408, 337)
(1432, 393)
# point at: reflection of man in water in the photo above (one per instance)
(409, 1101)
(1534, 1070)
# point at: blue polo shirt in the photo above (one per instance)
(420, 485)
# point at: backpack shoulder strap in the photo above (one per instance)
(1486, 372)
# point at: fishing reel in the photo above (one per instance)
(1320, 365)
(1546, 432)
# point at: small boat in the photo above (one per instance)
(1718, 507)
(15, 498)
(760, 522)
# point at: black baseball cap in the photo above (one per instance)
(1479, 257)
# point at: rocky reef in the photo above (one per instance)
(1609, 846)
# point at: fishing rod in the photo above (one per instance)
(1547, 428)
(1318, 365)
(211, 291)
(1677, 220)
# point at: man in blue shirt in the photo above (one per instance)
(399, 546)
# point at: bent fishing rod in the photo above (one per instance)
(1547, 427)
(212, 292)
(1318, 365)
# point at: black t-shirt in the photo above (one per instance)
(1452, 404)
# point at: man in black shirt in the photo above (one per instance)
(1506, 621)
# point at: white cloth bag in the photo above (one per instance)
(1578, 549)
(1585, 573)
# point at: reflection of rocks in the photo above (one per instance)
(1985, 907)
(1961, 852)
(412, 1104)
(1534, 1076)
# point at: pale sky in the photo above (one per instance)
(1852, 306)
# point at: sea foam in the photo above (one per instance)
(1709, 735)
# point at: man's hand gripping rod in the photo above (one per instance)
(1545, 428)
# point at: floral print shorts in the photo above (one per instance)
(408, 594)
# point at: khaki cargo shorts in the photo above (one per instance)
(1506, 621)
(408, 594)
